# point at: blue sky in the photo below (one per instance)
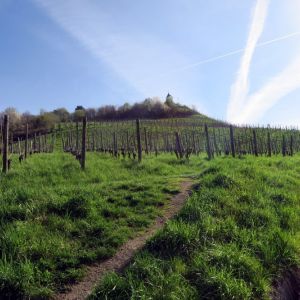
(235, 60)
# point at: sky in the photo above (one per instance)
(233, 60)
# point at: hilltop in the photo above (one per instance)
(150, 108)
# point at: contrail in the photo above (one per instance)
(233, 52)
(279, 86)
(241, 50)
(240, 87)
(280, 38)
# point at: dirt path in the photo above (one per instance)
(123, 256)
(288, 286)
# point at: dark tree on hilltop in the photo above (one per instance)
(150, 108)
(79, 107)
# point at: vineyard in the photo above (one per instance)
(183, 138)
(149, 150)
(74, 195)
(132, 139)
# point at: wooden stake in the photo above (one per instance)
(77, 136)
(178, 145)
(138, 138)
(255, 143)
(5, 143)
(146, 142)
(232, 145)
(283, 145)
(208, 149)
(26, 142)
(83, 149)
(115, 145)
(292, 145)
(269, 145)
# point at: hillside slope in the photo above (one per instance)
(237, 234)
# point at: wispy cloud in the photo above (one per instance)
(240, 88)
(132, 55)
(276, 88)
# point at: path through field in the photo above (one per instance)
(123, 256)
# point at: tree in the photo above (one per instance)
(124, 111)
(46, 121)
(107, 112)
(14, 117)
(151, 108)
(91, 113)
(79, 107)
(79, 113)
(62, 114)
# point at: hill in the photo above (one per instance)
(237, 233)
(150, 108)
(235, 237)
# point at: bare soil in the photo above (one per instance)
(96, 271)
(288, 287)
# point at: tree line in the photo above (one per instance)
(150, 108)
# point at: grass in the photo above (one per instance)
(54, 218)
(234, 237)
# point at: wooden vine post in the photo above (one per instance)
(232, 145)
(215, 143)
(77, 136)
(178, 145)
(255, 143)
(5, 143)
(34, 144)
(146, 141)
(208, 149)
(26, 142)
(283, 145)
(83, 149)
(194, 142)
(269, 145)
(291, 146)
(115, 144)
(40, 143)
(138, 138)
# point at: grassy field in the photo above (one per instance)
(235, 236)
(54, 217)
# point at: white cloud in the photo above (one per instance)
(239, 89)
(276, 88)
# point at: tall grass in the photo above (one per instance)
(54, 218)
(235, 236)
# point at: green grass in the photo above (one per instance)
(54, 218)
(234, 237)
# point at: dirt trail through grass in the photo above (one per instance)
(96, 271)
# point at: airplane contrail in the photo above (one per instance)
(231, 53)
(241, 50)
(277, 87)
(240, 87)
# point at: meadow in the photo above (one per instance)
(55, 217)
(234, 238)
